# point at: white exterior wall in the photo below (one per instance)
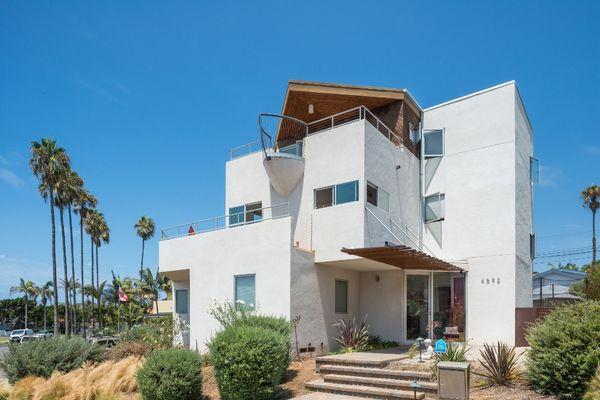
(214, 258)
(382, 303)
(477, 175)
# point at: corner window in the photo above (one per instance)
(337, 194)
(346, 192)
(434, 143)
(181, 301)
(534, 170)
(434, 207)
(247, 213)
(324, 197)
(245, 291)
(378, 197)
(341, 297)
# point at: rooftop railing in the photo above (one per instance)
(250, 216)
(301, 129)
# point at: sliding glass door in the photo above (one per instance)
(417, 306)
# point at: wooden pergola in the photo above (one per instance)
(403, 257)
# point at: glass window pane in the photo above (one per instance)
(324, 197)
(434, 207)
(384, 200)
(254, 212)
(371, 194)
(181, 301)
(341, 297)
(346, 192)
(236, 215)
(434, 143)
(417, 306)
(245, 291)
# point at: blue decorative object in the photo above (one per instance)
(441, 346)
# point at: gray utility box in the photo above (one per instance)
(453, 380)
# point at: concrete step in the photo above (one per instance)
(364, 391)
(375, 372)
(389, 383)
(325, 360)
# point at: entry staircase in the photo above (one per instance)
(371, 379)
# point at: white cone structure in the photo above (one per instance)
(284, 171)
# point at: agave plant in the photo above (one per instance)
(454, 352)
(500, 364)
(352, 337)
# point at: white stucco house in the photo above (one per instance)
(358, 202)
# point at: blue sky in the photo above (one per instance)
(148, 97)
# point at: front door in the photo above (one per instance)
(417, 306)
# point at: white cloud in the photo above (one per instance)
(10, 178)
(551, 176)
(592, 150)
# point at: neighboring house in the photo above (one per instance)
(364, 204)
(552, 288)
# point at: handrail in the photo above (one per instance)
(244, 149)
(386, 228)
(225, 221)
(420, 245)
(264, 135)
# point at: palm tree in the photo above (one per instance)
(29, 290)
(144, 229)
(47, 163)
(84, 203)
(45, 292)
(62, 200)
(591, 200)
(97, 293)
(152, 285)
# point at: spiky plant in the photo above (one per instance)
(500, 364)
(352, 337)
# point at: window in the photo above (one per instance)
(247, 213)
(413, 133)
(434, 143)
(434, 207)
(532, 246)
(324, 197)
(245, 291)
(372, 194)
(534, 170)
(181, 301)
(346, 192)
(337, 194)
(378, 197)
(341, 297)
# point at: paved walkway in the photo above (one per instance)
(378, 356)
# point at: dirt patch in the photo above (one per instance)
(297, 375)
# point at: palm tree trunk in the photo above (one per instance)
(92, 271)
(73, 272)
(98, 285)
(26, 301)
(593, 237)
(54, 277)
(66, 273)
(142, 262)
(82, 275)
(44, 305)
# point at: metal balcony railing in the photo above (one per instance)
(226, 221)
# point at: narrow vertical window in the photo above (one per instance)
(534, 170)
(372, 197)
(341, 297)
(245, 291)
(181, 301)
(434, 143)
(434, 207)
(384, 200)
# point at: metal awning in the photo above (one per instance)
(403, 257)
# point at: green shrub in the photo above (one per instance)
(249, 361)
(42, 357)
(564, 351)
(171, 374)
(277, 324)
(124, 349)
(156, 333)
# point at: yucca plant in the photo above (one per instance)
(500, 364)
(352, 337)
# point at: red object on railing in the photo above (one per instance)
(191, 231)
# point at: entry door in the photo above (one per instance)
(417, 306)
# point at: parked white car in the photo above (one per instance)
(17, 334)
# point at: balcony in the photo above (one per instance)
(229, 221)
